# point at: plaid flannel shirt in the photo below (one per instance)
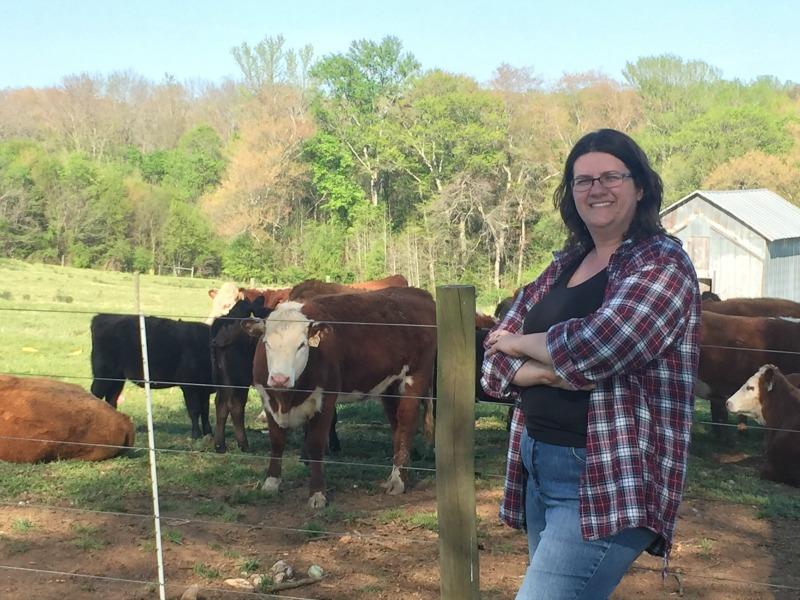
(640, 349)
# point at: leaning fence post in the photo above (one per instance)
(455, 443)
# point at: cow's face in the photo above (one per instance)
(288, 337)
(749, 398)
(222, 300)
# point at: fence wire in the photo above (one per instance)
(178, 520)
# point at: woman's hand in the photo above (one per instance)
(503, 341)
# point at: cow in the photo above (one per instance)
(731, 347)
(310, 354)
(754, 307)
(65, 420)
(311, 288)
(229, 293)
(772, 400)
(232, 350)
(709, 296)
(178, 355)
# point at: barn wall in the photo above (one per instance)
(783, 270)
(722, 249)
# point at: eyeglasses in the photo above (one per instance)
(608, 180)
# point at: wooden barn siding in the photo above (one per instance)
(783, 270)
(735, 253)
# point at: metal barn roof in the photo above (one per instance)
(767, 213)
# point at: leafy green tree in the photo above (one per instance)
(28, 176)
(186, 239)
(357, 89)
(332, 175)
(196, 165)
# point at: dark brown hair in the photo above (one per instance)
(646, 220)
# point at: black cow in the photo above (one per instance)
(177, 356)
(232, 350)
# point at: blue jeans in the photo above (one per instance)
(564, 566)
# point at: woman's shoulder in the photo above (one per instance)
(660, 248)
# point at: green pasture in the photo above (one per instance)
(45, 331)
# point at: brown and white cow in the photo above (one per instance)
(771, 399)
(224, 298)
(344, 347)
(66, 421)
(754, 307)
(229, 293)
(732, 347)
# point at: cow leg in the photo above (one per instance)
(221, 405)
(277, 443)
(316, 438)
(719, 415)
(205, 398)
(194, 400)
(108, 390)
(403, 415)
(237, 402)
(333, 440)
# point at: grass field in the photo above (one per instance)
(45, 314)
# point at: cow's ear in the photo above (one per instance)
(212, 293)
(769, 378)
(254, 327)
(317, 333)
(258, 309)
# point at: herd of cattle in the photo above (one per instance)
(308, 347)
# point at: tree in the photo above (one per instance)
(268, 64)
(187, 237)
(265, 179)
(357, 89)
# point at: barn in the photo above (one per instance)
(743, 243)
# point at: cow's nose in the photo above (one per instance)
(729, 405)
(278, 380)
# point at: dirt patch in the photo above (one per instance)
(370, 548)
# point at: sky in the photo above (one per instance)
(41, 41)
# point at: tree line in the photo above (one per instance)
(358, 163)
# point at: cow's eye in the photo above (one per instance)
(302, 345)
(750, 388)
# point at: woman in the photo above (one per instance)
(602, 350)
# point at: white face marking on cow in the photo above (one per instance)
(223, 301)
(286, 343)
(747, 399)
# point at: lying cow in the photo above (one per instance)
(177, 356)
(772, 400)
(731, 347)
(64, 416)
(309, 354)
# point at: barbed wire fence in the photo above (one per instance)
(455, 473)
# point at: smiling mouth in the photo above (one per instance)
(600, 204)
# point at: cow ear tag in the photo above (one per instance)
(313, 341)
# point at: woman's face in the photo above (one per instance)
(606, 211)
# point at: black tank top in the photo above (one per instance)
(553, 415)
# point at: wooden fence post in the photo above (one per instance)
(455, 443)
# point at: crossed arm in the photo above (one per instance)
(538, 369)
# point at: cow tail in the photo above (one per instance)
(427, 420)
